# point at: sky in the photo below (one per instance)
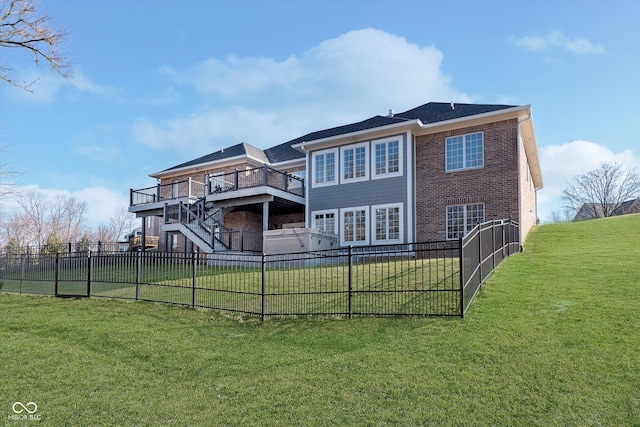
(158, 83)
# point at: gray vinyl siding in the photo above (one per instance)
(379, 191)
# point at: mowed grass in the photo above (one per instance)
(552, 339)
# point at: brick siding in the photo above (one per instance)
(495, 185)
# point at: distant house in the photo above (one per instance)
(429, 173)
(596, 210)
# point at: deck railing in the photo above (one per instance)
(188, 188)
(219, 183)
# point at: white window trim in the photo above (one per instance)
(375, 174)
(373, 224)
(446, 218)
(312, 178)
(325, 212)
(464, 149)
(367, 226)
(367, 151)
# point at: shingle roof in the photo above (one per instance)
(440, 111)
(236, 150)
(431, 112)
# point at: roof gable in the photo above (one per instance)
(242, 149)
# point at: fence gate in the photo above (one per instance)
(73, 275)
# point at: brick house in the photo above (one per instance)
(429, 173)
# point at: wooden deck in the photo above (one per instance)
(150, 242)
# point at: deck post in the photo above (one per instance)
(265, 173)
(143, 245)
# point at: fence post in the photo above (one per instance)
(194, 281)
(22, 268)
(461, 259)
(350, 278)
(235, 179)
(138, 274)
(493, 244)
(480, 252)
(56, 275)
(89, 262)
(265, 174)
(264, 286)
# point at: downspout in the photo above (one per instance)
(520, 207)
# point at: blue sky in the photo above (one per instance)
(157, 83)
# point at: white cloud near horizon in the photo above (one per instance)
(560, 163)
(265, 102)
(102, 202)
(556, 39)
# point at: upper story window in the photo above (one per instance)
(175, 189)
(355, 166)
(324, 167)
(465, 151)
(387, 158)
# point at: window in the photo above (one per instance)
(324, 168)
(174, 241)
(175, 187)
(354, 163)
(325, 221)
(354, 226)
(388, 223)
(465, 151)
(387, 158)
(462, 218)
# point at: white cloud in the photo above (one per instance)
(46, 87)
(102, 202)
(341, 80)
(562, 162)
(557, 39)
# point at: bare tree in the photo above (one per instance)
(121, 222)
(42, 217)
(562, 215)
(23, 28)
(32, 218)
(104, 233)
(599, 192)
(7, 171)
(66, 216)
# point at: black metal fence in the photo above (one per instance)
(483, 249)
(434, 278)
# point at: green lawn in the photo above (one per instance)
(552, 339)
